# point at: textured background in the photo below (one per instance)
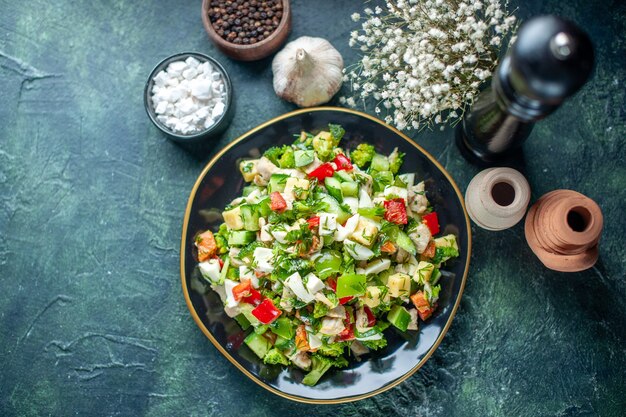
(92, 318)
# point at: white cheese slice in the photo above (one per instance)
(328, 224)
(246, 272)
(313, 283)
(314, 341)
(210, 270)
(294, 282)
(395, 192)
(344, 231)
(353, 203)
(377, 266)
(365, 201)
(357, 251)
(263, 259)
(228, 288)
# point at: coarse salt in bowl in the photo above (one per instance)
(188, 96)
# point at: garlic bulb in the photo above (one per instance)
(308, 71)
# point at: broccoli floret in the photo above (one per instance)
(275, 357)
(319, 365)
(323, 144)
(335, 349)
(287, 160)
(222, 244)
(281, 156)
(395, 161)
(336, 132)
(362, 155)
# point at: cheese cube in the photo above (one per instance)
(233, 218)
(399, 285)
(248, 169)
(423, 272)
(372, 297)
(365, 231)
(297, 187)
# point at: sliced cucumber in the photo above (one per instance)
(333, 206)
(343, 176)
(278, 182)
(250, 216)
(258, 344)
(304, 158)
(241, 237)
(248, 189)
(399, 317)
(334, 188)
(404, 241)
(350, 189)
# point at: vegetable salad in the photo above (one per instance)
(325, 250)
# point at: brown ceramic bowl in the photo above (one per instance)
(255, 51)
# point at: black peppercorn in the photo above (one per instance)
(245, 21)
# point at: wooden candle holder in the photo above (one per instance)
(563, 229)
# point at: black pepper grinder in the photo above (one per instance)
(551, 59)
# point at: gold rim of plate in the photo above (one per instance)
(207, 333)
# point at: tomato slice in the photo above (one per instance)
(254, 298)
(277, 202)
(432, 221)
(322, 171)
(266, 312)
(343, 162)
(242, 290)
(395, 211)
(314, 222)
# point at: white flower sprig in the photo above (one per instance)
(425, 59)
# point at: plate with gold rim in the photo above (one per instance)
(220, 182)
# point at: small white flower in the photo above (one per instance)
(425, 57)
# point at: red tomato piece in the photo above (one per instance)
(242, 290)
(314, 222)
(342, 162)
(266, 312)
(322, 171)
(345, 300)
(432, 221)
(395, 211)
(347, 333)
(254, 298)
(277, 202)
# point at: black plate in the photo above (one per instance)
(220, 182)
